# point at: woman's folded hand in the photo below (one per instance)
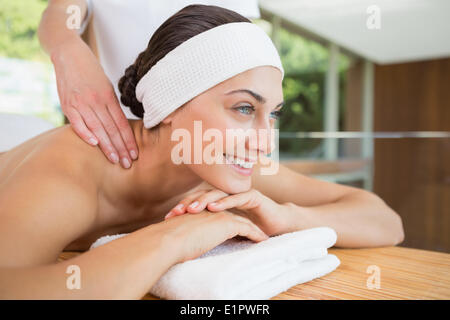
(271, 217)
(190, 236)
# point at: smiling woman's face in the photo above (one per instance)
(249, 100)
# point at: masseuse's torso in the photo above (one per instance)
(61, 147)
(120, 30)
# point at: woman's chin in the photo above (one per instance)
(224, 178)
(233, 186)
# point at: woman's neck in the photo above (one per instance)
(153, 178)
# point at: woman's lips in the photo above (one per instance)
(243, 167)
(240, 170)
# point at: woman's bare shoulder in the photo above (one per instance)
(57, 151)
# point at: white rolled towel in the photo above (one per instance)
(243, 269)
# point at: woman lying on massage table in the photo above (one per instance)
(58, 193)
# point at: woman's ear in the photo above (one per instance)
(170, 117)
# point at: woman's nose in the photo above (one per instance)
(265, 138)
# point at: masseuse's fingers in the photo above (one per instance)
(79, 126)
(201, 202)
(243, 201)
(122, 124)
(113, 133)
(94, 124)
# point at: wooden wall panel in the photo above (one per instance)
(413, 175)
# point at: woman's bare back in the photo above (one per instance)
(66, 172)
(59, 160)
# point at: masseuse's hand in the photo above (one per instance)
(89, 102)
(271, 217)
(189, 236)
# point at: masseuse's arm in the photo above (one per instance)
(87, 97)
(359, 217)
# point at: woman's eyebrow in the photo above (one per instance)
(258, 97)
(255, 95)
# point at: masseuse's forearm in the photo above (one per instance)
(53, 31)
(360, 219)
(125, 268)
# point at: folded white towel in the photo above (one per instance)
(243, 269)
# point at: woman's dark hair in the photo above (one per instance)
(183, 25)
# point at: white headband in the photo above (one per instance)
(200, 63)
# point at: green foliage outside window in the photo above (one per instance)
(305, 63)
(19, 20)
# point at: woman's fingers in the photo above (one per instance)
(122, 124)
(244, 201)
(180, 208)
(79, 126)
(244, 227)
(196, 202)
(201, 202)
(215, 201)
